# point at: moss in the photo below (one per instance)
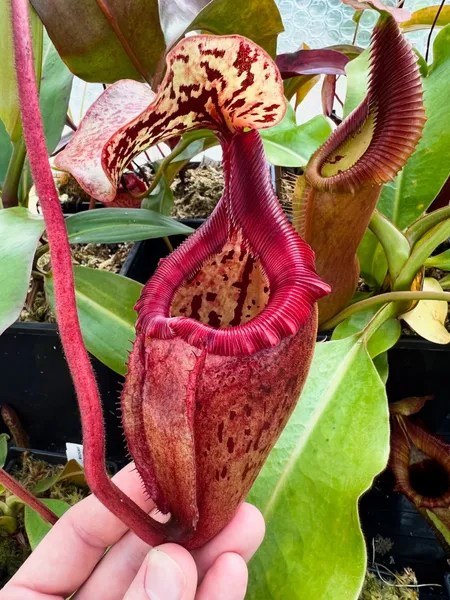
(375, 589)
(14, 548)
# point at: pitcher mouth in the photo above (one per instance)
(245, 280)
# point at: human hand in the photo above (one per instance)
(72, 557)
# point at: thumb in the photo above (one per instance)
(167, 573)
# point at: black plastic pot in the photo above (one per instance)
(36, 382)
(144, 257)
(416, 368)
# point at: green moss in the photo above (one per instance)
(375, 589)
(14, 548)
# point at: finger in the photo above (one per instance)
(20, 593)
(168, 573)
(226, 579)
(243, 536)
(68, 554)
(115, 572)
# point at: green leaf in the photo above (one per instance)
(113, 225)
(382, 366)
(8, 524)
(439, 261)
(4, 437)
(258, 20)
(71, 472)
(357, 81)
(420, 181)
(5, 152)
(105, 304)
(56, 85)
(290, 145)
(9, 101)
(35, 526)
(19, 234)
(426, 18)
(372, 261)
(335, 443)
(127, 43)
(161, 199)
(383, 339)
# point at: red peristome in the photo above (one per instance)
(413, 447)
(395, 103)
(249, 205)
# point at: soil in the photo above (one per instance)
(14, 547)
(107, 257)
(197, 191)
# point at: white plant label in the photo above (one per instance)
(74, 451)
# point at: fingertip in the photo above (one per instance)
(227, 579)
(168, 572)
(254, 521)
(184, 561)
(243, 536)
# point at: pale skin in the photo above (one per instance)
(72, 558)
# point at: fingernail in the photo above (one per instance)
(164, 580)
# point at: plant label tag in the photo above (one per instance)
(75, 452)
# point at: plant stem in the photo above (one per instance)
(69, 327)
(181, 147)
(10, 193)
(382, 299)
(18, 490)
(425, 223)
(422, 250)
(395, 245)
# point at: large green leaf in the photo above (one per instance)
(416, 186)
(35, 526)
(258, 20)
(19, 234)
(335, 443)
(290, 145)
(105, 304)
(127, 43)
(111, 225)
